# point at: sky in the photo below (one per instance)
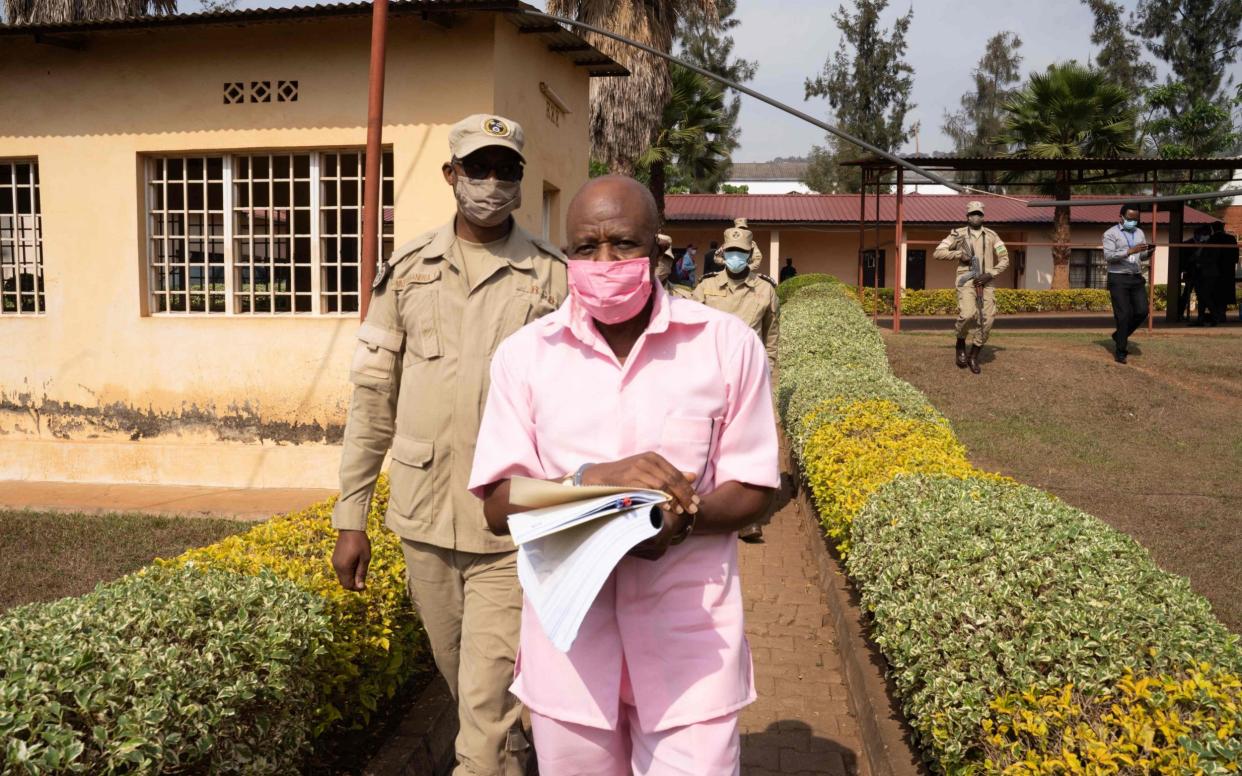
(791, 39)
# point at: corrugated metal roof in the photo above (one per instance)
(843, 209)
(559, 39)
(1116, 163)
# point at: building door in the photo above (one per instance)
(916, 269)
(870, 266)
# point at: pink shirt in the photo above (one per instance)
(694, 389)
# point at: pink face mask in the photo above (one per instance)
(610, 291)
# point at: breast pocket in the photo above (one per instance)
(518, 310)
(686, 442)
(421, 312)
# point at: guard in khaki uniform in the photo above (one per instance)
(960, 245)
(421, 376)
(756, 255)
(664, 269)
(750, 295)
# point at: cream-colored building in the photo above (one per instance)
(180, 203)
(820, 232)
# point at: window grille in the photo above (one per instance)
(340, 209)
(21, 239)
(1088, 268)
(267, 233)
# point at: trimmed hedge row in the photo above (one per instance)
(943, 301)
(232, 658)
(1023, 636)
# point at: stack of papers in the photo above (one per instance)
(570, 541)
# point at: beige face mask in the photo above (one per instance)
(487, 202)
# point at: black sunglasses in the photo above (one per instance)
(479, 170)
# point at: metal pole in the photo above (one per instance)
(875, 273)
(737, 87)
(899, 262)
(1137, 200)
(1151, 265)
(372, 211)
(862, 233)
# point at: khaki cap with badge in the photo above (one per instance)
(483, 130)
(974, 206)
(738, 237)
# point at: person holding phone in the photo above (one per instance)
(1125, 250)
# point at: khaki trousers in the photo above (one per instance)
(968, 313)
(471, 608)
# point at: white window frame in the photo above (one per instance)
(19, 245)
(318, 306)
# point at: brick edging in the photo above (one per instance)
(422, 745)
(887, 740)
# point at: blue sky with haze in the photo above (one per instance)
(791, 39)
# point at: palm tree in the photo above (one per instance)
(1068, 112)
(693, 140)
(51, 11)
(626, 112)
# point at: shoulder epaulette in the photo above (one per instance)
(547, 247)
(709, 275)
(401, 254)
(765, 277)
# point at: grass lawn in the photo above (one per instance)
(52, 555)
(1154, 447)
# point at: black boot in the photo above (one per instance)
(972, 360)
(961, 354)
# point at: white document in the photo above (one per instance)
(571, 541)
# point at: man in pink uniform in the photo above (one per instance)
(626, 385)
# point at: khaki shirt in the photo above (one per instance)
(987, 245)
(421, 376)
(753, 299)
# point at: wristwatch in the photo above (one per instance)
(575, 479)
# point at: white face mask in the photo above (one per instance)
(487, 202)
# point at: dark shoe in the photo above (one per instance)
(1120, 356)
(961, 354)
(1194, 325)
(751, 534)
(972, 360)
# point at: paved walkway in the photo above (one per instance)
(185, 500)
(801, 723)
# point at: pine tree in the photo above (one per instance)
(975, 126)
(867, 84)
(1120, 57)
(710, 46)
(1199, 41)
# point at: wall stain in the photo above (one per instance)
(238, 423)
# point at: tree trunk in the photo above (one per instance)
(656, 185)
(1061, 234)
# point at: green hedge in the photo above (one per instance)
(232, 658)
(979, 588)
(162, 671)
(1023, 636)
(943, 301)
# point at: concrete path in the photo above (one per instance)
(185, 500)
(802, 722)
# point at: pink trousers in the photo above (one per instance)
(710, 748)
(704, 749)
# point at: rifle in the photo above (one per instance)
(976, 269)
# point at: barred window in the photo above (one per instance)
(21, 239)
(268, 233)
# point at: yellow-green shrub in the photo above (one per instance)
(1149, 724)
(866, 445)
(1009, 301)
(377, 639)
